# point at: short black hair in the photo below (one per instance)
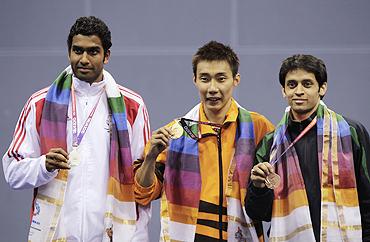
(308, 63)
(91, 26)
(215, 51)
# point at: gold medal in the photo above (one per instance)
(74, 157)
(176, 130)
(272, 180)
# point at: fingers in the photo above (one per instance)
(159, 141)
(162, 135)
(259, 173)
(263, 169)
(60, 151)
(56, 158)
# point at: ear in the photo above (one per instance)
(195, 81)
(323, 89)
(283, 92)
(106, 57)
(236, 80)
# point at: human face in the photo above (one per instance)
(87, 58)
(303, 93)
(215, 83)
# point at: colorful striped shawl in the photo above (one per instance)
(340, 216)
(182, 183)
(120, 185)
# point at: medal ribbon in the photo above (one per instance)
(77, 138)
(217, 127)
(309, 126)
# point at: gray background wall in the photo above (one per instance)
(153, 42)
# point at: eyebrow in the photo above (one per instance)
(93, 48)
(217, 74)
(221, 74)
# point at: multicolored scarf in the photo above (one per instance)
(121, 208)
(340, 214)
(182, 183)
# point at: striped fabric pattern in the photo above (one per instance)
(121, 208)
(182, 183)
(340, 215)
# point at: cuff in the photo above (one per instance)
(260, 192)
(46, 173)
(144, 190)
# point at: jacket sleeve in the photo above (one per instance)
(140, 132)
(361, 156)
(258, 201)
(23, 163)
(144, 195)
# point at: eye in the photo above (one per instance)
(93, 52)
(77, 50)
(307, 84)
(291, 84)
(221, 78)
(204, 78)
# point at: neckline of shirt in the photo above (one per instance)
(85, 89)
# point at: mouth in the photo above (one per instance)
(299, 101)
(213, 99)
(83, 69)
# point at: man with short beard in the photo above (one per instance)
(74, 144)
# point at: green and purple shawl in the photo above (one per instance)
(340, 215)
(53, 134)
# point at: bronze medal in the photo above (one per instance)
(176, 130)
(272, 180)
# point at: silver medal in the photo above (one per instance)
(74, 157)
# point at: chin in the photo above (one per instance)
(214, 109)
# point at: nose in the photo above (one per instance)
(84, 59)
(299, 90)
(213, 87)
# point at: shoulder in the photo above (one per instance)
(264, 146)
(131, 97)
(267, 140)
(134, 104)
(32, 110)
(37, 99)
(358, 131)
(260, 120)
(359, 127)
(257, 117)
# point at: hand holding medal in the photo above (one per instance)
(263, 174)
(56, 159)
(176, 130)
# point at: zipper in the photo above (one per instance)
(219, 147)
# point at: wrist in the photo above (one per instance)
(259, 185)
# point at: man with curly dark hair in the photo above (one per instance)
(74, 144)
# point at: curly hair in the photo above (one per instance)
(91, 26)
(215, 51)
(308, 63)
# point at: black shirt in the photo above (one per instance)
(259, 201)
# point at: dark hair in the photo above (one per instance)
(215, 51)
(91, 26)
(308, 63)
